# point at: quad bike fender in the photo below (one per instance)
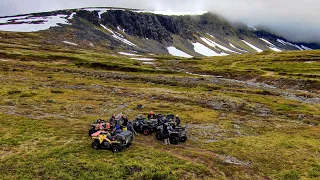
(102, 137)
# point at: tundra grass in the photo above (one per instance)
(49, 100)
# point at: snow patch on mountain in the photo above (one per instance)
(252, 46)
(271, 46)
(266, 41)
(118, 36)
(204, 50)
(11, 19)
(150, 63)
(282, 42)
(143, 59)
(32, 23)
(67, 42)
(290, 44)
(102, 10)
(275, 49)
(214, 44)
(106, 28)
(305, 47)
(128, 54)
(233, 46)
(252, 28)
(71, 15)
(176, 52)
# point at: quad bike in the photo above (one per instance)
(94, 125)
(169, 117)
(145, 125)
(165, 119)
(176, 135)
(116, 144)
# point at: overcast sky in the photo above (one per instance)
(297, 20)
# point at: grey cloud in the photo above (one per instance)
(296, 20)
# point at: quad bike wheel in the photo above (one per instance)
(146, 132)
(184, 139)
(95, 145)
(174, 140)
(115, 149)
(158, 136)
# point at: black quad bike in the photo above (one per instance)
(165, 119)
(176, 135)
(117, 143)
(145, 125)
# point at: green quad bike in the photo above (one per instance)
(145, 125)
(176, 135)
(116, 143)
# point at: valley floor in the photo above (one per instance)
(264, 125)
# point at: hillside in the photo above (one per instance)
(249, 116)
(148, 32)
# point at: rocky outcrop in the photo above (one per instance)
(160, 27)
(143, 25)
(92, 17)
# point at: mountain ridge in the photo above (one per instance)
(146, 31)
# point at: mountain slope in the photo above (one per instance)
(148, 32)
(250, 116)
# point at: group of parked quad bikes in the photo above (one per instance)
(118, 133)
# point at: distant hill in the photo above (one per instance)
(145, 32)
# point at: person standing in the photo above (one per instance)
(177, 121)
(125, 120)
(112, 120)
(165, 133)
(130, 128)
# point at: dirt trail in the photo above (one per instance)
(189, 152)
(177, 152)
(290, 94)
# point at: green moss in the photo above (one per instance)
(50, 96)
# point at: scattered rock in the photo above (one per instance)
(239, 132)
(223, 116)
(88, 107)
(140, 106)
(33, 88)
(51, 101)
(300, 117)
(238, 122)
(235, 126)
(11, 103)
(133, 169)
(123, 106)
(63, 108)
(233, 160)
(218, 105)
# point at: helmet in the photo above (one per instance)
(177, 115)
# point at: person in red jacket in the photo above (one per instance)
(151, 115)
